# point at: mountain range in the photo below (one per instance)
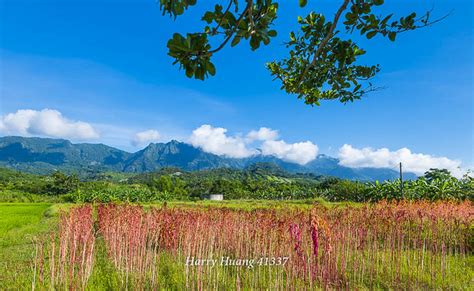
(44, 155)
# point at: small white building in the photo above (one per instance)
(214, 197)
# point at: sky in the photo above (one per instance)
(98, 71)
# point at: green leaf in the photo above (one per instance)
(211, 68)
(199, 74)
(189, 72)
(208, 17)
(392, 35)
(292, 36)
(254, 42)
(371, 34)
(303, 3)
(378, 2)
(272, 33)
(235, 41)
(358, 51)
(384, 21)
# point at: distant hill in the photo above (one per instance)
(176, 154)
(44, 155)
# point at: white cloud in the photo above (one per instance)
(46, 122)
(300, 153)
(384, 158)
(214, 140)
(146, 137)
(264, 133)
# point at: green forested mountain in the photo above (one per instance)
(176, 154)
(44, 155)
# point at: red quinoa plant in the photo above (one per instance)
(407, 245)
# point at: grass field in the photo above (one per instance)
(249, 205)
(151, 256)
(19, 225)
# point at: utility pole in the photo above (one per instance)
(401, 180)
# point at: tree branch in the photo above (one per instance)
(223, 16)
(326, 39)
(250, 13)
(239, 20)
(331, 31)
(423, 19)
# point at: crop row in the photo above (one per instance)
(385, 245)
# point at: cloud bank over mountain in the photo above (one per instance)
(145, 137)
(217, 140)
(384, 158)
(300, 152)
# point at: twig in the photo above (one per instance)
(239, 20)
(326, 39)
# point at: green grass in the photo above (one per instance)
(15, 196)
(249, 205)
(20, 223)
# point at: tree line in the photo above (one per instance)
(258, 182)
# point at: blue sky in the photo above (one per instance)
(105, 63)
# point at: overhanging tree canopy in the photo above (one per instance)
(321, 65)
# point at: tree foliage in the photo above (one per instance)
(62, 184)
(323, 61)
(256, 182)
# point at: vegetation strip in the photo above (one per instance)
(394, 245)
